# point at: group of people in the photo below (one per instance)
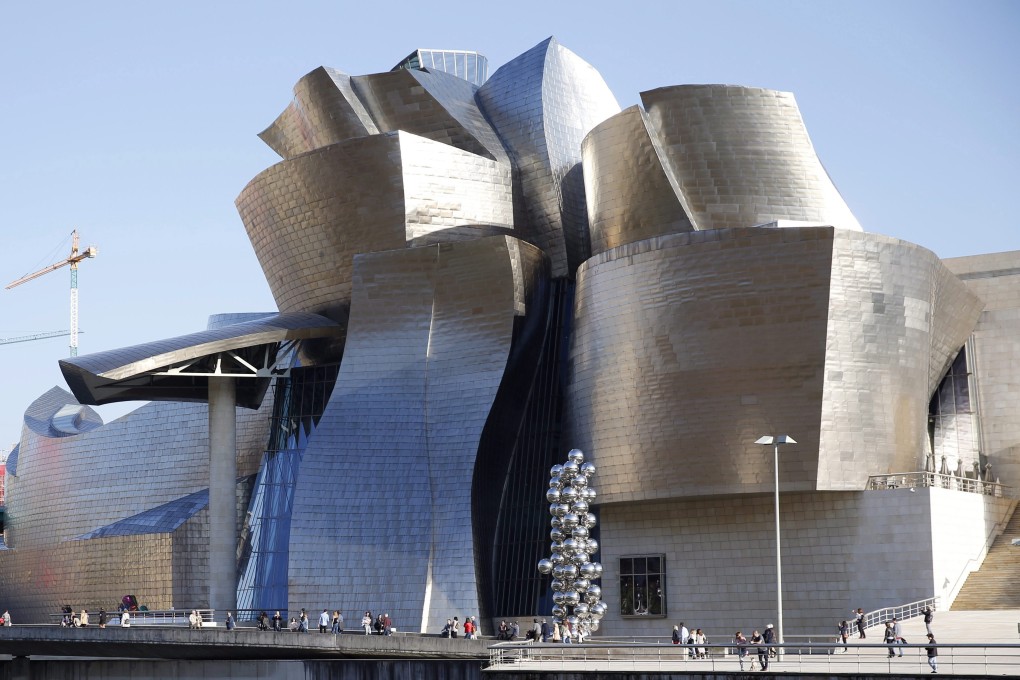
(69, 619)
(452, 628)
(683, 636)
(382, 624)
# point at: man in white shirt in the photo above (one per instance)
(684, 637)
(323, 621)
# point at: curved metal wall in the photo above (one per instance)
(632, 194)
(542, 104)
(382, 510)
(743, 157)
(325, 110)
(308, 217)
(689, 347)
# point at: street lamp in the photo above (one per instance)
(774, 442)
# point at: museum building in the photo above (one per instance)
(475, 274)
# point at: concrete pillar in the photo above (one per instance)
(222, 495)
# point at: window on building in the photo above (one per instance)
(643, 585)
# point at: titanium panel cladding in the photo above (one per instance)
(632, 195)
(743, 157)
(384, 493)
(308, 217)
(542, 104)
(325, 110)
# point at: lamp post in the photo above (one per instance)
(775, 441)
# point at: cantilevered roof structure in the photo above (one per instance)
(178, 369)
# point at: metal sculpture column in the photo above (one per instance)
(222, 494)
(576, 598)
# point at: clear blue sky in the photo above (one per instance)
(135, 122)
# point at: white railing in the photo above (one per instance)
(940, 481)
(156, 617)
(972, 659)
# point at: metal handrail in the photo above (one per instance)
(977, 659)
(145, 617)
(941, 481)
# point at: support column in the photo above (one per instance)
(222, 495)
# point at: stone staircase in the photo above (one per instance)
(996, 585)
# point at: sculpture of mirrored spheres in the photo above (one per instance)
(577, 600)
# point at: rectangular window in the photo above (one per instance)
(643, 586)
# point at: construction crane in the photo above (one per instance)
(34, 336)
(73, 259)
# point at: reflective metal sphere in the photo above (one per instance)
(598, 570)
(581, 586)
(570, 470)
(553, 495)
(579, 507)
(545, 566)
(557, 571)
(588, 469)
(555, 470)
(581, 609)
(570, 520)
(579, 482)
(557, 535)
(593, 546)
(578, 558)
(590, 520)
(593, 594)
(576, 456)
(571, 598)
(561, 510)
(556, 546)
(587, 570)
(598, 610)
(594, 625)
(571, 545)
(589, 494)
(556, 524)
(568, 494)
(556, 584)
(569, 571)
(557, 558)
(580, 532)
(559, 611)
(559, 597)
(557, 482)
(573, 621)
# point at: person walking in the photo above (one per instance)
(125, 619)
(933, 655)
(455, 631)
(684, 639)
(741, 642)
(387, 624)
(469, 628)
(929, 616)
(859, 620)
(763, 651)
(700, 639)
(366, 623)
(545, 631)
(844, 632)
(676, 635)
(277, 622)
(898, 636)
(889, 637)
(323, 621)
(230, 621)
(303, 622)
(338, 622)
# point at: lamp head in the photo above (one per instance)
(769, 440)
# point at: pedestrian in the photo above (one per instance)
(545, 631)
(387, 624)
(125, 619)
(378, 625)
(763, 651)
(455, 631)
(684, 635)
(700, 639)
(469, 628)
(556, 637)
(366, 623)
(323, 621)
(676, 635)
(933, 657)
(536, 631)
(844, 632)
(293, 626)
(741, 642)
(277, 622)
(898, 635)
(503, 632)
(198, 619)
(191, 619)
(770, 639)
(83, 619)
(338, 622)
(230, 621)
(567, 633)
(447, 628)
(303, 622)
(889, 638)
(102, 617)
(859, 619)
(7, 618)
(515, 630)
(929, 616)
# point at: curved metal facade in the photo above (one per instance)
(542, 104)
(743, 157)
(382, 507)
(688, 347)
